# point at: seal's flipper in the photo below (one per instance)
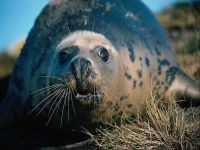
(185, 89)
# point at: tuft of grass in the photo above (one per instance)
(158, 125)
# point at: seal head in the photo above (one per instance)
(79, 77)
(82, 60)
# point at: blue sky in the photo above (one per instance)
(17, 17)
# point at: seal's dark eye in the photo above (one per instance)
(103, 54)
(63, 56)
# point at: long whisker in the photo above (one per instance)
(59, 102)
(54, 110)
(72, 90)
(75, 91)
(43, 101)
(68, 104)
(64, 104)
(94, 94)
(46, 88)
(72, 101)
(62, 90)
(56, 94)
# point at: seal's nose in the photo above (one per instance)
(81, 68)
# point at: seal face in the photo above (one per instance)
(79, 77)
(77, 60)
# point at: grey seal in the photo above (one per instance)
(86, 62)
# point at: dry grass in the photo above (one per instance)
(159, 125)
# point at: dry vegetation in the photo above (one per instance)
(159, 125)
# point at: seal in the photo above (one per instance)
(83, 65)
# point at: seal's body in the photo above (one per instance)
(85, 62)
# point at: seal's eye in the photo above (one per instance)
(63, 56)
(103, 54)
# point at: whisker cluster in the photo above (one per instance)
(56, 98)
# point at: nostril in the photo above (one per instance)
(81, 68)
(86, 67)
(85, 62)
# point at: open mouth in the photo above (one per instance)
(88, 97)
